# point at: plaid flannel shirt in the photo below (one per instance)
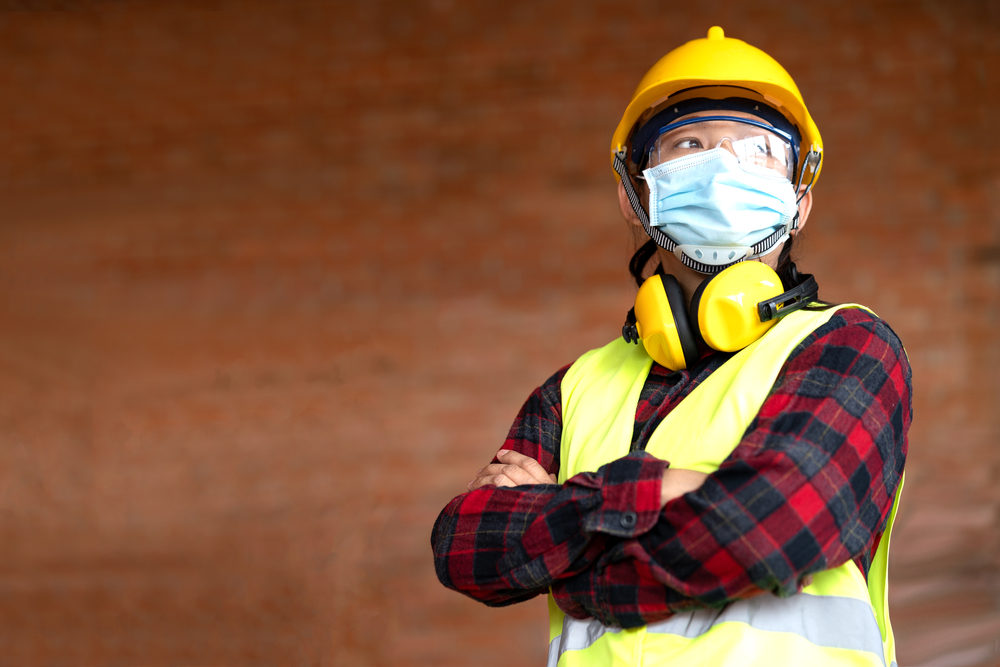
(809, 487)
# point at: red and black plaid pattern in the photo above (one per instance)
(808, 488)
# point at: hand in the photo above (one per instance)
(513, 469)
(678, 481)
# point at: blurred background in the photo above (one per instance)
(275, 278)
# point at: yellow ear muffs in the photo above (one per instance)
(725, 307)
(728, 311)
(662, 323)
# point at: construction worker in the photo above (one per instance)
(717, 485)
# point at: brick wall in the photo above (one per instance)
(275, 277)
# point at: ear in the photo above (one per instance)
(805, 206)
(625, 206)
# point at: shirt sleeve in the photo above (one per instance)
(808, 488)
(501, 545)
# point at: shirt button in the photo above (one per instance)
(628, 519)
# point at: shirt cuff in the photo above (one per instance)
(630, 495)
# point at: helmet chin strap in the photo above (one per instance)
(701, 267)
(658, 236)
(682, 252)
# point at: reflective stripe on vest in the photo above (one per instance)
(808, 629)
(837, 620)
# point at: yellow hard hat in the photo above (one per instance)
(714, 66)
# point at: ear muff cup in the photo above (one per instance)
(662, 322)
(724, 307)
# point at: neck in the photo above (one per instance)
(688, 279)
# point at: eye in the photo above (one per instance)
(671, 146)
(688, 144)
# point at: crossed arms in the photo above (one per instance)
(809, 487)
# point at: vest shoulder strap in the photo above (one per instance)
(704, 428)
(600, 393)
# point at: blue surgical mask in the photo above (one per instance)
(716, 211)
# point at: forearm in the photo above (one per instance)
(503, 545)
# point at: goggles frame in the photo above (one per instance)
(669, 127)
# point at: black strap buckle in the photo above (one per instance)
(798, 297)
(629, 330)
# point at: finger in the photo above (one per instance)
(491, 479)
(495, 474)
(505, 474)
(482, 478)
(514, 473)
(539, 475)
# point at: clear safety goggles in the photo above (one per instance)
(756, 145)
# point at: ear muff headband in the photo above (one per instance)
(688, 340)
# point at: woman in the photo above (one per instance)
(723, 492)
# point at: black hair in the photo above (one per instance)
(640, 259)
(785, 267)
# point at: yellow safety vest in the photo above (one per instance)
(836, 620)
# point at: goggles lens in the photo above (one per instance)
(757, 146)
